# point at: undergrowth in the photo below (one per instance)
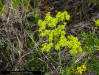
(34, 44)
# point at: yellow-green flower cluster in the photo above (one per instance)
(63, 16)
(53, 27)
(46, 47)
(97, 23)
(74, 44)
(81, 69)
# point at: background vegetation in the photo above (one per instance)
(57, 37)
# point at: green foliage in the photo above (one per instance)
(95, 2)
(2, 7)
(5, 54)
(16, 3)
(90, 44)
(1, 4)
(90, 41)
(93, 65)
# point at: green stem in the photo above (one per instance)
(60, 61)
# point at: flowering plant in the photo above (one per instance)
(54, 29)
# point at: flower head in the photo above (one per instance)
(81, 69)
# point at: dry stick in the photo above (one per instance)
(81, 56)
(12, 56)
(20, 59)
(53, 66)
